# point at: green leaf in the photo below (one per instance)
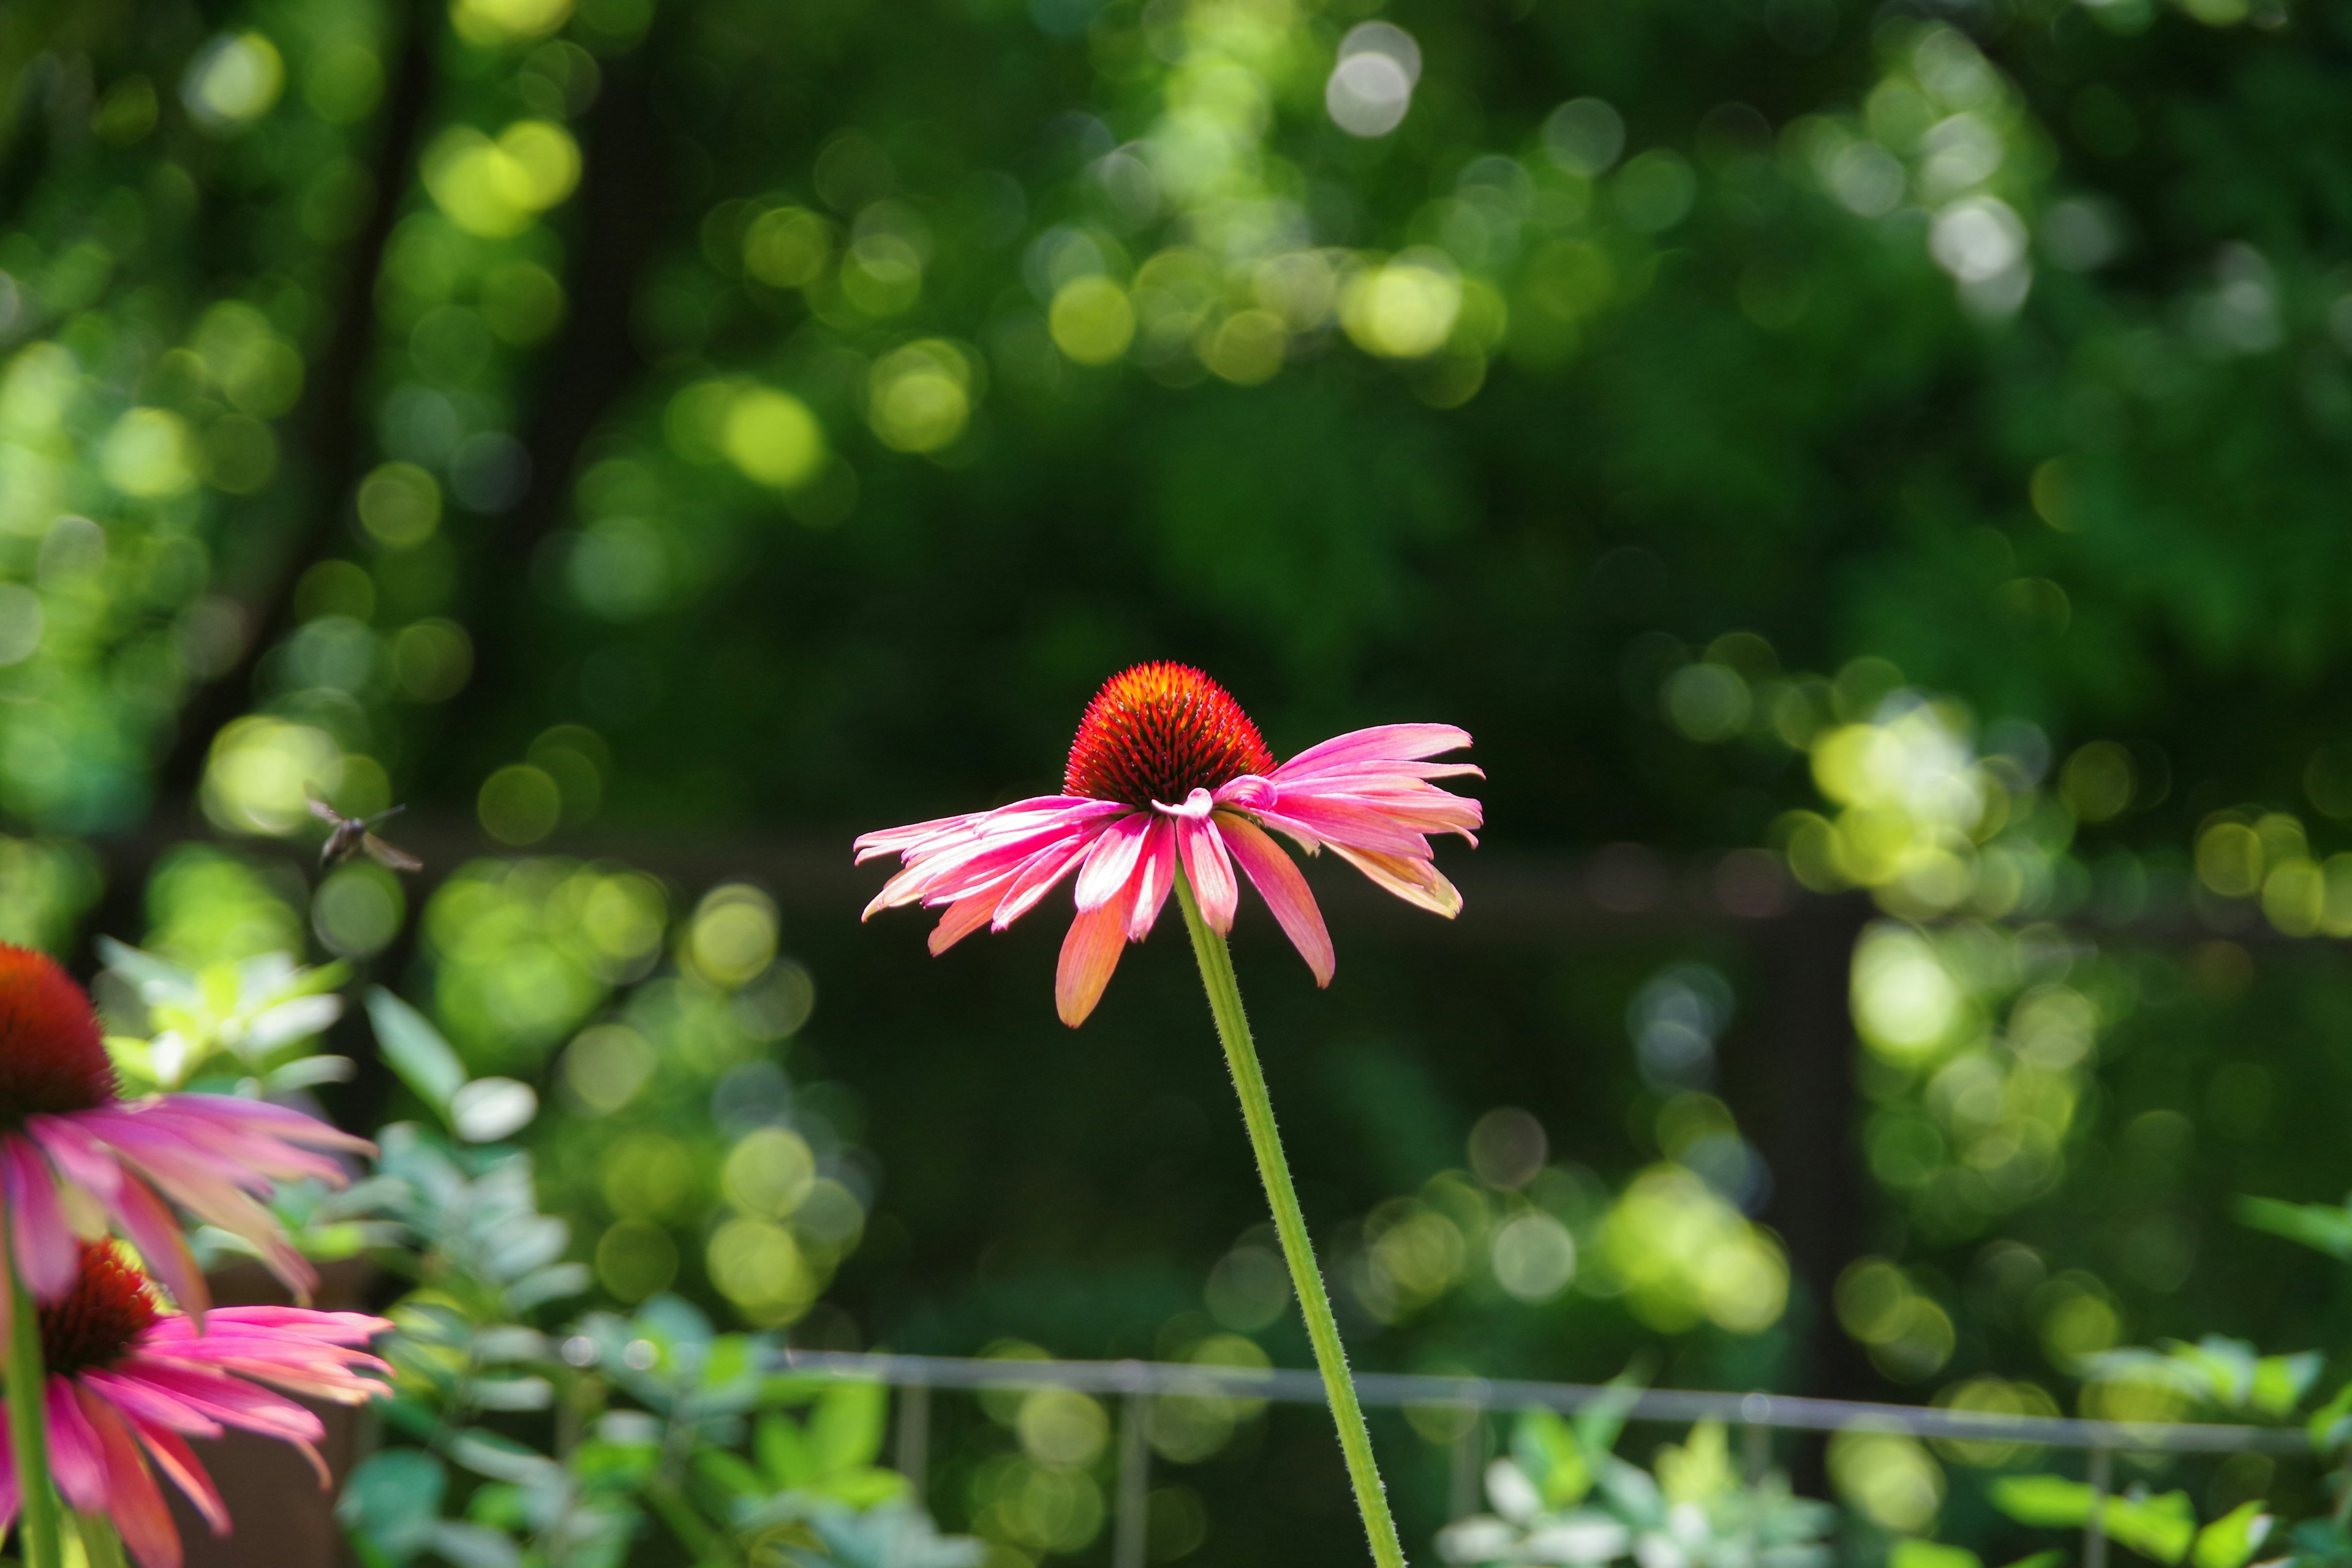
(2327, 1422)
(731, 1473)
(2049, 1501)
(846, 1429)
(416, 1050)
(2160, 1527)
(2040, 1560)
(2231, 1540)
(2326, 1227)
(863, 1489)
(1599, 1423)
(392, 1500)
(1549, 1454)
(2280, 1381)
(783, 1452)
(475, 1546)
(155, 978)
(1931, 1555)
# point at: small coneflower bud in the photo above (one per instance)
(1157, 733)
(53, 1059)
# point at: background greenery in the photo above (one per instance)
(1869, 479)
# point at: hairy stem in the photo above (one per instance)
(1257, 1111)
(29, 1437)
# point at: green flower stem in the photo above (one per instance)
(28, 1432)
(98, 1540)
(1257, 1111)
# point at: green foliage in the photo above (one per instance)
(522, 1444)
(1563, 1496)
(2324, 1227)
(2161, 1526)
(252, 1022)
(2218, 1372)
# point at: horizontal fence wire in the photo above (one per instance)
(1388, 1389)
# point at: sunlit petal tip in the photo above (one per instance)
(1089, 954)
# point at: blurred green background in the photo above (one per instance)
(1871, 479)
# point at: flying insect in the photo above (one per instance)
(350, 835)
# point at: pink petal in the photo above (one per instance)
(1089, 954)
(134, 1504)
(178, 1460)
(967, 915)
(964, 868)
(1155, 875)
(42, 1243)
(1111, 862)
(1339, 822)
(76, 1462)
(1284, 890)
(227, 1400)
(1211, 872)
(1039, 876)
(1383, 742)
(138, 1398)
(1414, 880)
(79, 1158)
(162, 1245)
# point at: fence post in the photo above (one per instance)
(2095, 1528)
(915, 1436)
(1134, 1482)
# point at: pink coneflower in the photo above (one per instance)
(1169, 785)
(1168, 770)
(62, 1121)
(128, 1384)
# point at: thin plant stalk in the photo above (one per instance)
(1257, 1113)
(28, 1435)
(99, 1542)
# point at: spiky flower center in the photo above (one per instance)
(108, 1307)
(1159, 732)
(52, 1057)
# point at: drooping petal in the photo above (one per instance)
(1416, 881)
(1089, 952)
(76, 1462)
(1210, 870)
(1043, 873)
(134, 1504)
(1400, 742)
(1111, 862)
(968, 914)
(1155, 874)
(1333, 822)
(162, 1245)
(39, 1238)
(172, 1456)
(226, 1399)
(136, 1397)
(1284, 890)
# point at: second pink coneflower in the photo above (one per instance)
(76, 1158)
(128, 1384)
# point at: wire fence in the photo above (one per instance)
(1134, 1382)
